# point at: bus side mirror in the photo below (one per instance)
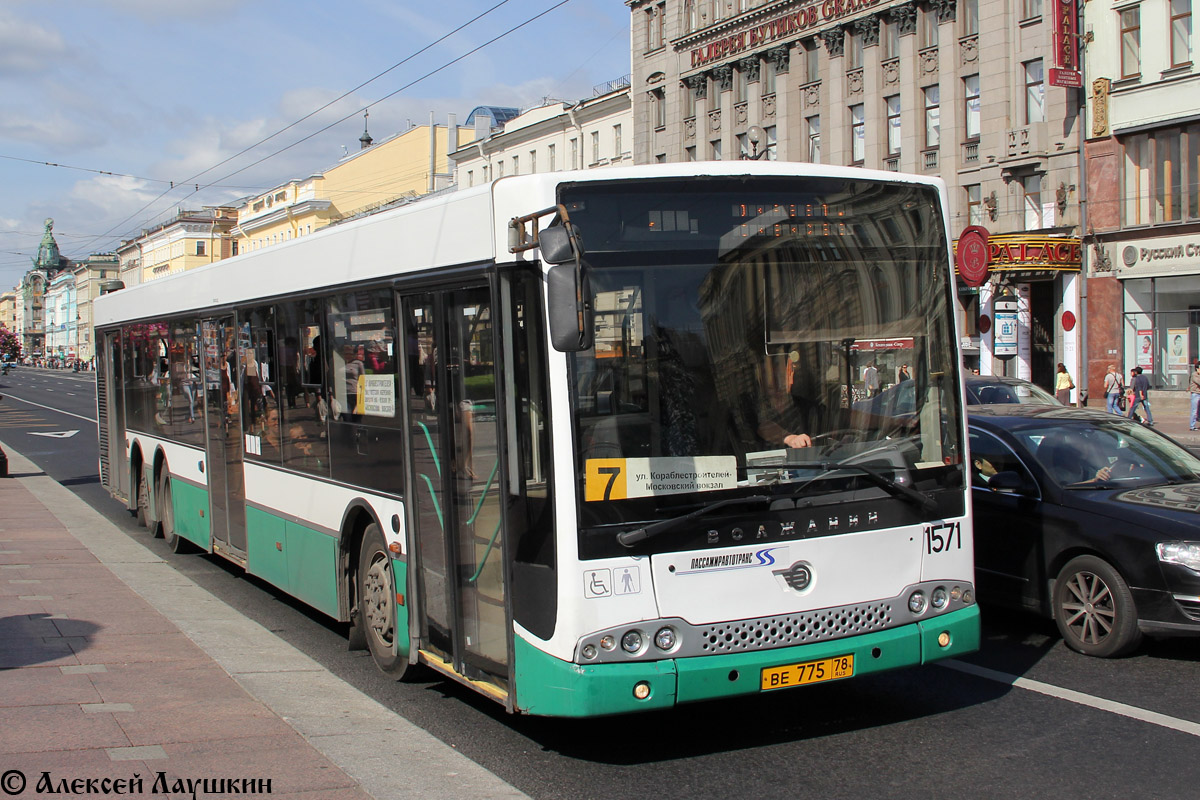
(569, 307)
(555, 242)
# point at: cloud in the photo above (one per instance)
(55, 131)
(158, 10)
(28, 48)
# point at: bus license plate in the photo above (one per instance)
(827, 669)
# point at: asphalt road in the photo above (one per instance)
(1025, 717)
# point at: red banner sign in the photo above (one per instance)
(1066, 45)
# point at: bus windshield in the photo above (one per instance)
(758, 338)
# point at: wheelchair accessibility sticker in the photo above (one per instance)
(609, 582)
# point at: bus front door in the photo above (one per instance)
(454, 468)
(225, 473)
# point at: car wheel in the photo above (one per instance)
(1094, 608)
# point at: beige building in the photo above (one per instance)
(404, 166)
(188, 240)
(90, 275)
(596, 132)
(8, 310)
(939, 87)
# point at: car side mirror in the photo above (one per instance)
(1009, 481)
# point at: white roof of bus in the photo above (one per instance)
(435, 232)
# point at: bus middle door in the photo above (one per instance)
(226, 475)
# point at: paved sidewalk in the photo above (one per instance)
(113, 665)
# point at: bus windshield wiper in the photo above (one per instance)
(630, 538)
(919, 499)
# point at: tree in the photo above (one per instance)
(10, 345)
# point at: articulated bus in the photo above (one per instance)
(587, 442)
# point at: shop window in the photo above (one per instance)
(1168, 190)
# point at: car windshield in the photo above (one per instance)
(736, 320)
(986, 392)
(1103, 454)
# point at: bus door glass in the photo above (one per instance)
(455, 459)
(225, 471)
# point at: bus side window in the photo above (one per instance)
(303, 408)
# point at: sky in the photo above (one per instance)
(138, 102)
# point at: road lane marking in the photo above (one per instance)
(8, 396)
(1072, 696)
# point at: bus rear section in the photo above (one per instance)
(767, 482)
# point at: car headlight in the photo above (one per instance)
(1184, 553)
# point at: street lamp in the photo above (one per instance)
(754, 135)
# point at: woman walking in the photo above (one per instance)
(1063, 385)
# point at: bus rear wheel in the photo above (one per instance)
(377, 603)
(147, 515)
(166, 513)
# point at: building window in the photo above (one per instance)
(893, 124)
(516, 165)
(771, 144)
(550, 149)
(1031, 9)
(974, 204)
(1035, 93)
(811, 61)
(691, 15)
(767, 77)
(929, 27)
(1031, 186)
(658, 108)
(858, 134)
(813, 126)
(1131, 42)
(889, 37)
(574, 154)
(1137, 180)
(714, 150)
(470, 177)
(970, 17)
(233, 248)
(654, 26)
(854, 50)
(1181, 33)
(933, 116)
(741, 88)
(617, 150)
(690, 153)
(595, 146)
(499, 169)
(199, 247)
(971, 93)
(533, 160)
(689, 102)
(1168, 172)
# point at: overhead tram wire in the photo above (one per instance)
(409, 85)
(406, 59)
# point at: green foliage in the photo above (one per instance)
(10, 345)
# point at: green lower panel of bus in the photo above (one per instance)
(400, 575)
(191, 513)
(297, 559)
(551, 687)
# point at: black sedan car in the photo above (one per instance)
(1088, 518)
(994, 389)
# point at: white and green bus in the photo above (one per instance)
(587, 442)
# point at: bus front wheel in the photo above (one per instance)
(377, 603)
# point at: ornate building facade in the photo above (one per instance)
(952, 88)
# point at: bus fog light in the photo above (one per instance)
(632, 642)
(916, 602)
(955, 593)
(589, 651)
(944, 639)
(608, 641)
(968, 597)
(641, 690)
(939, 598)
(665, 638)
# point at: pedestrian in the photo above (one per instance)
(1063, 385)
(1140, 388)
(1194, 388)
(1114, 389)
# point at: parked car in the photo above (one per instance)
(993, 389)
(1088, 518)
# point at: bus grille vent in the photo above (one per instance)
(793, 629)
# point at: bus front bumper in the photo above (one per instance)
(551, 687)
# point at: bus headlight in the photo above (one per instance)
(939, 598)
(916, 602)
(608, 641)
(589, 651)
(632, 642)
(665, 639)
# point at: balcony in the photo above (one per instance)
(929, 159)
(970, 153)
(1027, 142)
(892, 163)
